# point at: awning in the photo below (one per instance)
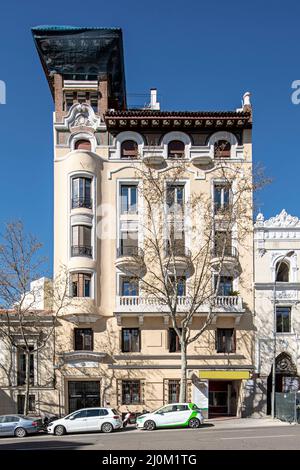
(225, 374)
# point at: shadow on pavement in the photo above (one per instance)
(47, 445)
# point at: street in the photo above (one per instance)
(212, 436)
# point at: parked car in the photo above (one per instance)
(86, 420)
(186, 415)
(19, 425)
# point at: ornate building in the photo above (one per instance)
(114, 346)
(277, 285)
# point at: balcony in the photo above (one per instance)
(138, 304)
(130, 259)
(82, 250)
(201, 156)
(229, 259)
(179, 257)
(81, 202)
(153, 156)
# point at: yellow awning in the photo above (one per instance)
(225, 374)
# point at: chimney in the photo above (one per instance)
(154, 104)
(246, 101)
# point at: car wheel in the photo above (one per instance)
(59, 430)
(194, 423)
(149, 425)
(107, 427)
(20, 432)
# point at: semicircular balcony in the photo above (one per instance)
(130, 259)
(228, 257)
(201, 156)
(179, 257)
(153, 156)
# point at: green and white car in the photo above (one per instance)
(185, 415)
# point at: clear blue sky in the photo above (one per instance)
(200, 55)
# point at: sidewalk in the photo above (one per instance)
(237, 423)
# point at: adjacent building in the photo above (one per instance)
(277, 285)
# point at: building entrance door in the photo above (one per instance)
(83, 394)
(222, 398)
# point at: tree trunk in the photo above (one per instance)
(182, 395)
(27, 383)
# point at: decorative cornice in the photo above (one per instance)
(177, 119)
(281, 221)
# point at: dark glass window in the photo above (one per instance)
(283, 319)
(225, 340)
(129, 149)
(129, 286)
(222, 149)
(82, 144)
(131, 392)
(223, 242)
(129, 244)
(175, 196)
(174, 343)
(22, 358)
(131, 341)
(83, 339)
(81, 240)
(176, 149)
(81, 285)
(21, 403)
(221, 197)
(225, 285)
(128, 199)
(282, 270)
(81, 192)
(174, 390)
(178, 283)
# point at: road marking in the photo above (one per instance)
(257, 437)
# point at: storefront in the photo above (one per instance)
(217, 392)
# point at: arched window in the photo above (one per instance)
(176, 149)
(222, 149)
(129, 149)
(282, 272)
(82, 144)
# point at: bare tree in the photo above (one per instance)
(189, 243)
(23, 323)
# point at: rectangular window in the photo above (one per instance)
(129, 286)
(131, 341)
(83, 339)
(225, 285)
(174, 343)
(81, 285)
(128, 194)
(21, 404)
(94, 101)
(131, 392)
(223, 243)
(221, 197)
(225, 340)
(283, 319)
(81, 240)
(175, 196)
(21, 364)
(81, 193)
(178, 284)
(174, 390)
(129, 243)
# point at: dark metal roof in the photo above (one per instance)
(83, 53)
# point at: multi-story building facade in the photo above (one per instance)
(277, 285)
(112, 345)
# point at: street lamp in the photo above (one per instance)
(288, 255)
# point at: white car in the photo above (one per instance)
(86, 420)
(185, 415)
